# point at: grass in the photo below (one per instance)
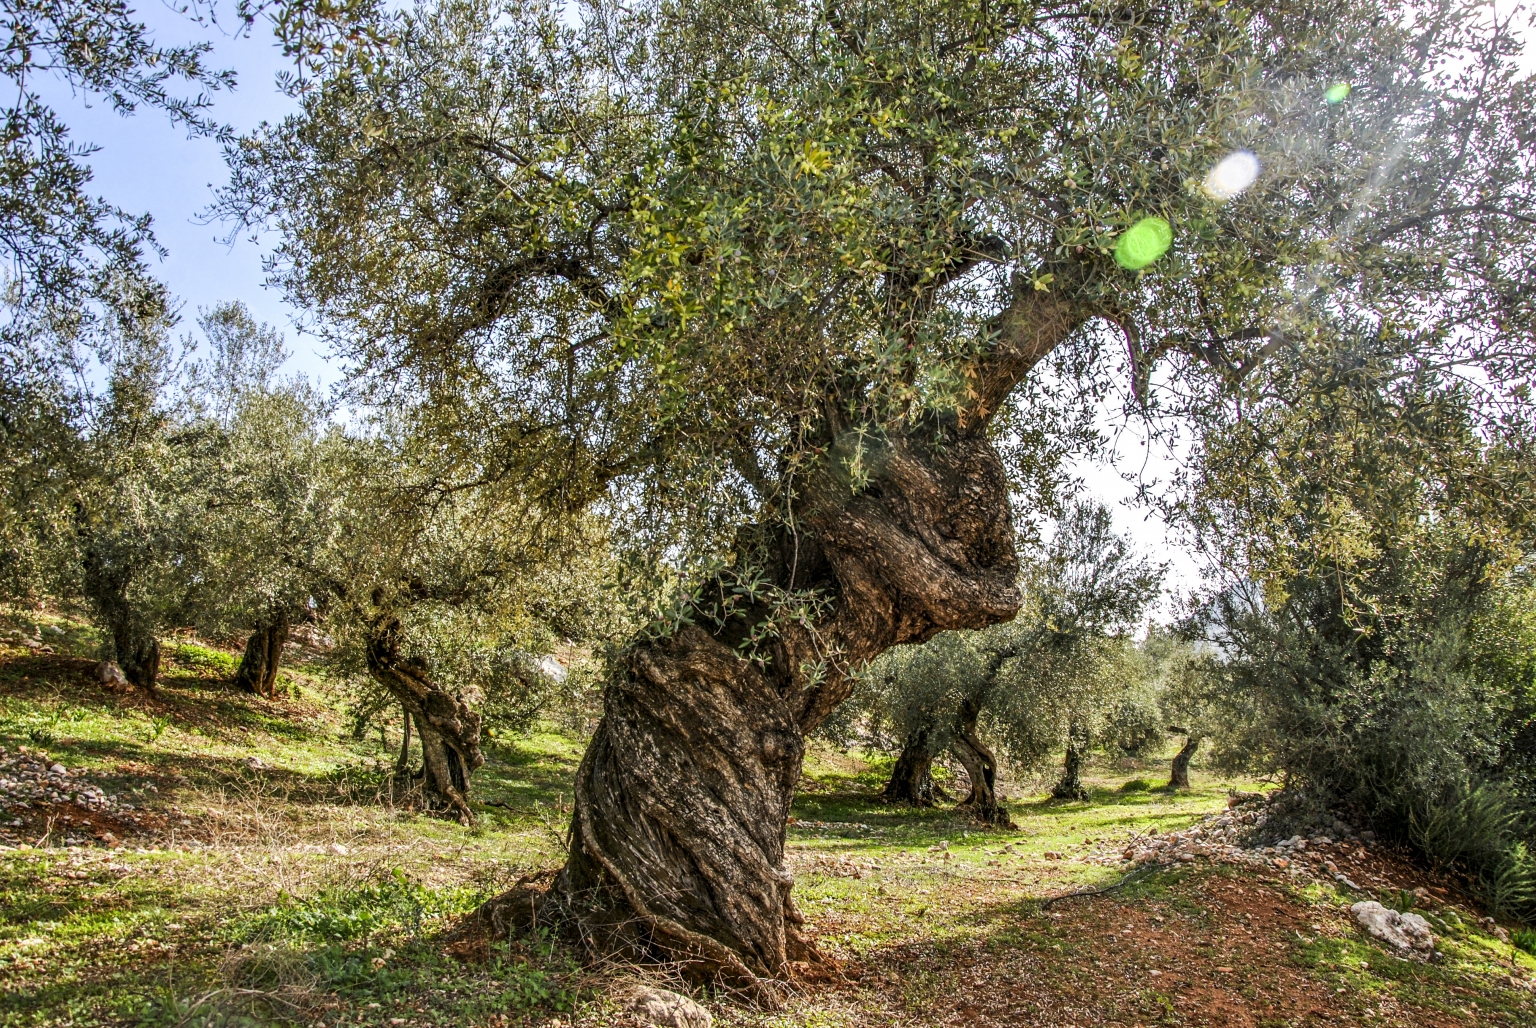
(299, 892)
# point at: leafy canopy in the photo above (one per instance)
(672, 252)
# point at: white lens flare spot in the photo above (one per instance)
(1232, 176)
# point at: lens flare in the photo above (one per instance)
(1338, 92)
(1232, 175)
(1143, 243)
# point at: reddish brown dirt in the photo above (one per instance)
(1219, 950)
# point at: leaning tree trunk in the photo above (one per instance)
(911, 780)
(263, 653)
(981, 766)
(678, 831)
(1071, 785)
(1179, 779)
(403, 764)
(449, 731)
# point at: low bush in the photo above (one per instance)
(204, 658)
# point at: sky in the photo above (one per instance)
(144, 164)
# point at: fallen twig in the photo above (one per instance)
(1140, 874)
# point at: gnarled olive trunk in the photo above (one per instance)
(1071, 785)
(263, 653)
(138, 654)
(135, 648)
(449, 731)
(678, 833)
(911, 781)
(1179, 779)
(981, 766)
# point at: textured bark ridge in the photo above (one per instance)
(448, 729)
(263, 653)
(677, 837)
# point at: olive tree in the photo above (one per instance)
(766, 279)
(1041, 679)
(270, 529)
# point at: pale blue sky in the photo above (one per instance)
(147, 165)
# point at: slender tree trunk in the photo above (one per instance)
(1179, 779)
(263, 654)
(1071, 785)
(449, 731)
(981, 766)
(403, 764)
(678, 830)
(911, 780)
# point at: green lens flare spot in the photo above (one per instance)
(1143, 243)
(1338, 92)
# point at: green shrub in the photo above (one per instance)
(1136, 785)
(204, 658)
(1524, 938)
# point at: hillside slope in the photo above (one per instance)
(211, 858)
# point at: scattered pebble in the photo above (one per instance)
(28, 778)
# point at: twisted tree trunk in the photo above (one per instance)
(678, 832)
(1071, 785)
(449, 731)
(911, 781)
(263, 653)
(1179, 779)
(138, 654)
(981, 766)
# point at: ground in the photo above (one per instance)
(266, 875)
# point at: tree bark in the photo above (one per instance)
(134, 645)
(403, 764)
(1071, 785)
(981, 766)
(911, 782)
(138, 654)
(1179, 779)
(678, 830)
(449, 731)
(263, 654)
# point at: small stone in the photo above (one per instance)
(338, 849)
(58, 769)
(663, 1007)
